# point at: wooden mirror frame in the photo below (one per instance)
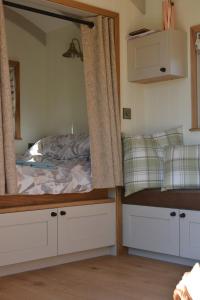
(16, 66)
(193, 33)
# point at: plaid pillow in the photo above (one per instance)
(170, 137)
(182, 167)
(143, 159)
(142, 164)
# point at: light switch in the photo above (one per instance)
(127, 113)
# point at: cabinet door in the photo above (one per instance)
(27, 236)
(148, 57)
(86, 227)
(190, 234)
(151, 228)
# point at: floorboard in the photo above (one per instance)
(104, 278)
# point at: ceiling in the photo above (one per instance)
(140, 4)
(45, 23)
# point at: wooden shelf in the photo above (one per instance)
(179, 199)
(195, 129)
(20, 207)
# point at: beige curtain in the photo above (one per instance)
(8, 179)
(102, 103)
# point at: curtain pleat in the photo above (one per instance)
(8, 177)
(102, 103)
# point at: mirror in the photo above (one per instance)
(14, 68)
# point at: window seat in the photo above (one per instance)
(179, 199)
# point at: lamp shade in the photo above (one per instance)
(72, 52)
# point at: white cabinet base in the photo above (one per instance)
(170, 232)
(162, 257)
(27, 236)
(43, 234)
(54, 261)
(151, 229)
(190, 234)
(85, 228)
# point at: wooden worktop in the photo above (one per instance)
(25, 207)
(179, 199)
(19, 203)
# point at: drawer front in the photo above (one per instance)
(190, 234)
(151, 229)
(147, 56)
(86, 227)
(27, 236)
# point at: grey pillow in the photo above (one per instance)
(62, 147)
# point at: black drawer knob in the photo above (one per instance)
(163, 70)
(54, 214)
(173, 214)
(183, 215)
(63, 213)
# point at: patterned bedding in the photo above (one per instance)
(65, 176)
(55, 165)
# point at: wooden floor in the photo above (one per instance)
(105, 278)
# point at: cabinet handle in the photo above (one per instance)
(173, 214)
(63, 213)
(183, 215)
(163, 70)
(54, 214)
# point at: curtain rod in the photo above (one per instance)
(48, 13)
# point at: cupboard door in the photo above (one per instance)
(148, 57)
(190, 234)
(151, 229)
(27, 236)
(86, 227)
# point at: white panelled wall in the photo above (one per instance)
(159, 105)
(168, 104)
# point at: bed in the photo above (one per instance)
(53, 173)
(55, 165)
(58, 177)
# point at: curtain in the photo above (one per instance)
(8, 177)
(102, 103)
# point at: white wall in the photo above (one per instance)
(168, 104)
(32, 57)
(131, 94)
(66, 98)
(52, 87)
(160, 105)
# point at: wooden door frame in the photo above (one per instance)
(106, 13)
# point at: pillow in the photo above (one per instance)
(182, 168)
(169, 137)
(61, 147)
(142, 165)
(143, 159)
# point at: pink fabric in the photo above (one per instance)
(168, 15)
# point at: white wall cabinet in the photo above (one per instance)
(156, 57)
(162, 230)
(26, 236)
(89, 227)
